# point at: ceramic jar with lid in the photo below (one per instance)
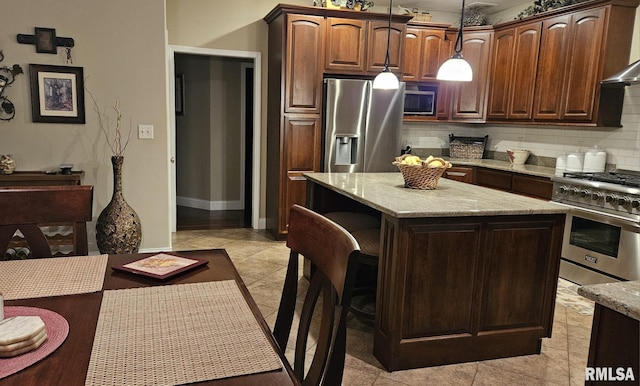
(595, 160)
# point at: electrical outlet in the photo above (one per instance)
(145, 131)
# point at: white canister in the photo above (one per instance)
(561, 164)
(595, 160)
(575, 162)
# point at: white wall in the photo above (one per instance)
(121, 46)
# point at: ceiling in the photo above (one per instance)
(491, 6)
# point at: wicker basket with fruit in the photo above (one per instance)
(421, 174)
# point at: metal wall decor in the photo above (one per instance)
(7, 77)
(45, 40)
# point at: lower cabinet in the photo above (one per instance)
(460, 173)
(524, 184)
(465, 289)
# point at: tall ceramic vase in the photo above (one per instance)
(118, 229)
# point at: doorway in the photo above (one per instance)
(226, 164)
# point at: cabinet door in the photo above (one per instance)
(503, 55)
(469, 97)
(583, 65)
(431, 55)
(460, 173)
(495, 179)
(305, 38)
(301, 142)
(521, 90)
(378, 33)
(412, 54)
(515, 58)
(345, 48)
(552, 60)
(445, 89)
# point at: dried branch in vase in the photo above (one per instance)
(116, 146)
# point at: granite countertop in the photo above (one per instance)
(386, 192)
(534, 170)
(622, 297)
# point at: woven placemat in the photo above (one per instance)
(37, 278)
(177, 334)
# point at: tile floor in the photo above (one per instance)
(261, 262)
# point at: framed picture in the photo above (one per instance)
(179, 94)
(46, 40)
(57, 94)
(161, 266)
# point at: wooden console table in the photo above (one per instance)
(39, 178)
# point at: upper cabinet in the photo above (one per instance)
(547, 69)
(359, 47)
(469, 98)
(425, 50)
(303, 75)
(513, 71)
(567, 80)
(466, 101)
(345, 45)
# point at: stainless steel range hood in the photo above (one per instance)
(629, 75)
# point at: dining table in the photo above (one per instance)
(103, 347)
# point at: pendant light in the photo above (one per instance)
(387, 80)
(456, 68)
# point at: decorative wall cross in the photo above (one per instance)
(46, 41)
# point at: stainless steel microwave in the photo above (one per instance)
(419, 102)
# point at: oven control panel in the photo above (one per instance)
(597, 197)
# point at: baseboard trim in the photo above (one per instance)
(197, 203)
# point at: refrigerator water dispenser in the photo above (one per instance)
(346, 150)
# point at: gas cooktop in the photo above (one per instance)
(619, 178)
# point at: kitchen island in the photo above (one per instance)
(466, 273)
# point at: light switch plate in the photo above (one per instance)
(145, 131)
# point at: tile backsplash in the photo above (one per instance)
(622, 144)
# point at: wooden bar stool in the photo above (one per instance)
(366, 230)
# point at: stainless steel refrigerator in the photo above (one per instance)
(362, 126)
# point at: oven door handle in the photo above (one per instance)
(607, 218)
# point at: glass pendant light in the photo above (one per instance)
(456, 68)
(387, 80)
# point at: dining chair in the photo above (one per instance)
(25, 209)
(334, 253)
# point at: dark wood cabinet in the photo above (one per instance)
(424, 51)
(377, 46)
(35, 178)
(346, 50)
(304, 40)
(460, 173)
(570, 66)
(305, 43)
(296, 57)
(524, 184)
(469, 97)
(614, 345)
(496, 279)
(491, 178)
(359, 47)
(513, 72)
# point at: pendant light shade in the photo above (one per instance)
(387, 80)
(456, 69)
